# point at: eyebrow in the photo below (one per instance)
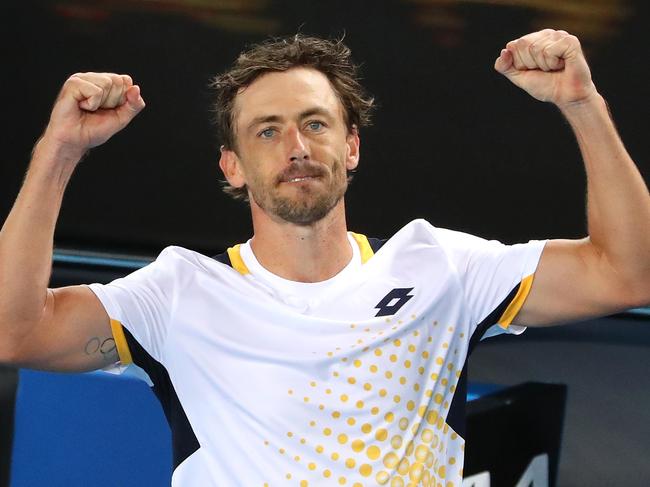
(277, 118)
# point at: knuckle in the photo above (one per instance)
(119, 85)
(546, 52)
(83, 76)
(106, 79)
(74, 78)
(115, 85)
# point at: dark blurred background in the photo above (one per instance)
(453, 142)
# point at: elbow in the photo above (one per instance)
(10, 344)
(8, 355)
(6, 343)
(636, 294)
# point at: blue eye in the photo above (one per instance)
(267, 133)
(315, 126)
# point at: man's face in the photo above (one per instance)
(294, 148)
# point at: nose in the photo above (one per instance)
(298, 146)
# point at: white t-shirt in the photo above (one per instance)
(358, 380)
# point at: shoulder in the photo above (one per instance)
(178, 261)
(420, 231)
(177, 254)
(420, 242)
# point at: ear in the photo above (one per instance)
(353, 143)
(231, 168)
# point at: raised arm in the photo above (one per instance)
(610, 269)
(57, 329)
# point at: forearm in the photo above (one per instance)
(618, 203)
(26, 239)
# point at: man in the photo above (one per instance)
(311, 355)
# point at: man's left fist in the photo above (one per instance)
(549, 65)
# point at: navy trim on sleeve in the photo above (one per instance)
(184, 441)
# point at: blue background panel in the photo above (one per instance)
(89, 429)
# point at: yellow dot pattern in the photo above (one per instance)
(402, 437)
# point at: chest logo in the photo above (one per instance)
(393, 301)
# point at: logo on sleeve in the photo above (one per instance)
(393, 301)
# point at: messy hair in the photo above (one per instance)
(330, 57)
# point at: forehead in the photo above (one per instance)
(285, 93)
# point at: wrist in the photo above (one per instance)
(56, 153)
(592, 101)
(54, 160)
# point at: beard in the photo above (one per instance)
(311, 204)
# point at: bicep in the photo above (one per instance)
(73, 335)
(573, 281)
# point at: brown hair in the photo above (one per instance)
(330, 57)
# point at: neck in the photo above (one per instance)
(310, 253)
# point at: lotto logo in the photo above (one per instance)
(393, 301)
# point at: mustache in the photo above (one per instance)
(302, 169)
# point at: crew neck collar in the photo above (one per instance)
(260, 272)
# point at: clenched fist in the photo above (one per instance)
(549, 65)
(90, 108)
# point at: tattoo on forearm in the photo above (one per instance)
(106, 347)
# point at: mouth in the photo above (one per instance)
(300, 176)
(300, 179)
(302, 173)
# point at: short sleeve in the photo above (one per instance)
(496, 278)
(141, 302)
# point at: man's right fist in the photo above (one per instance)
(90, 108)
